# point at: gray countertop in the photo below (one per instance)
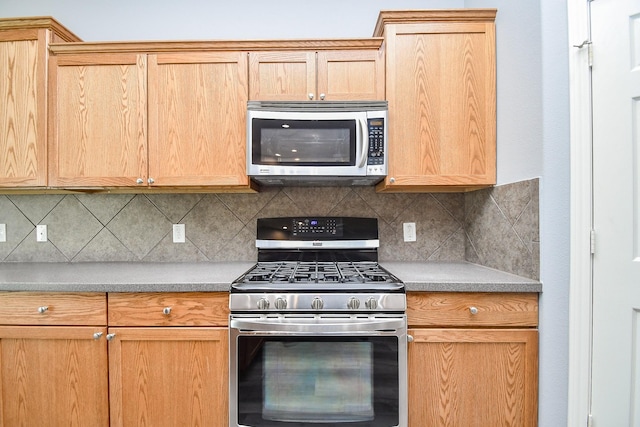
(216, 277)
(458, 277)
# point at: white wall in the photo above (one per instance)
(532, 104)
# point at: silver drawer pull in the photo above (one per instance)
(43, 309)
(409, 338)
(166, 311)
(110, 337)
(473, 310)
(97, 335)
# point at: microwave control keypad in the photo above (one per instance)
(375, 161)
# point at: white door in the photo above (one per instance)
(615, 391)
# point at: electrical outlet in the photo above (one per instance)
(409, 229)
(3, 233)
(178, 233)
(41, 233)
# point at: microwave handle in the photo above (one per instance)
(364, 142)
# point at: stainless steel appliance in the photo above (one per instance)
(317, 142)
(318, 331)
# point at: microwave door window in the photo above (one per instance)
(308, 143)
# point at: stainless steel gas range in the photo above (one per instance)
(318, 331)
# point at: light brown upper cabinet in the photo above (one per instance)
(318, 75)
(98, 126)
(126, 117)
(197, 109)
(441, 88)
(24, 51)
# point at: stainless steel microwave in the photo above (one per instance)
(317, 142)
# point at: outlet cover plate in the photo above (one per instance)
(41, 233)
(178, 233)
(409, 231)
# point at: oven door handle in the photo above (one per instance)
(319, 326)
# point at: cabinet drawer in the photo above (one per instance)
(472, 309)
(169, 309)
(53, 308)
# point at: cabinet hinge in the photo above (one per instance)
(589, 420)
(592, 242)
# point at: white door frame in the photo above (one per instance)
(581, 279)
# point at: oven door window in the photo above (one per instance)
(296, 381)
(304, 142)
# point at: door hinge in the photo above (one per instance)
(592, 242)
(589, 45)
(589, 420)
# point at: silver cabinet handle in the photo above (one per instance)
(409, 338)
(392, 180)
(110, 337)
(139, 181)
(322, 95)
(43, 309)
(166, 311)
(151, 180)
(473, 310)
(311, 96)
(97, 335)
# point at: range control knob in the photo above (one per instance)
(263, 303)
(353, 303)
(371, 303)
(317, 303)
(280, 303)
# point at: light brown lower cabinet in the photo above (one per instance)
(465, 368)
(168, 359)
(53, 375)
(162, 361)
(168, 376)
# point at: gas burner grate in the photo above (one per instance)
(317, 273)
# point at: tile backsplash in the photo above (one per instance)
(496, 227)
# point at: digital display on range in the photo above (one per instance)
(316, 227)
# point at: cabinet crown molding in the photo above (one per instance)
(39, 22)
(215, 45)
(435, 15)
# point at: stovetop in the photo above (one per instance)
(317, 264)
(279, 276)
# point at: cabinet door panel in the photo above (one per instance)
(349, 75)
(53, 376)
(169, 376)
(466, 377)
(99, 133)
(441, 92)
(282, 76)
(197, 109)
(22, 109)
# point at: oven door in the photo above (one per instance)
(318, 370)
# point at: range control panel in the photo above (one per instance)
(318, 227)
